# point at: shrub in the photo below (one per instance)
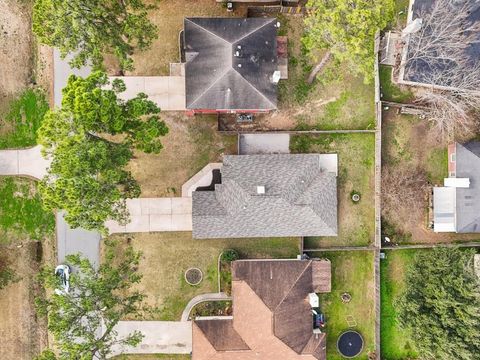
(230, 255)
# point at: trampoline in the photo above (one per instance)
(350, 344)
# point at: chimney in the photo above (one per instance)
(260, 190)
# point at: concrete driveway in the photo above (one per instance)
(253, 144)
(24, 162)
(168, 92)
(156, 214)
(164, 337)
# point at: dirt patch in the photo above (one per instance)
(23, 334)
(15, 46)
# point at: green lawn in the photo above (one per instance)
(395, 341)
(391, 91)
(22, 119)
(352, 272)
(356, 156)
(166, 257)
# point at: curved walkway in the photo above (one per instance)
(24, 162)
(202, 298)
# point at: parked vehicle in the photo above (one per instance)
(63, 272)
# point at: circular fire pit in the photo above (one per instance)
(350, 344)
(193, 276)
(346, 297)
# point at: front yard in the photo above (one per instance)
(353, 273)
(168, 17)
(356, 168)
(166, 257)
(395, 341)
(191, 143)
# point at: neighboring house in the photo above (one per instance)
(268, 196)
(426, 72)
(456, 205)
(231, 64)
(273, 308)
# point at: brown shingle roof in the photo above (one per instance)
(283, 287)
(222, 335)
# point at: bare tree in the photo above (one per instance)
(403, 188)
(439, 47)
(438, 55)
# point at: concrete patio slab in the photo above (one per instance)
(164, 337)
(253, 144)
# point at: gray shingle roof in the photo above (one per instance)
(213, 77)
(300, 198)
(468, 199)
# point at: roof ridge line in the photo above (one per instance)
(253, 31)
(294, 283)
(208, 31)
(253, 87)
(211, 85)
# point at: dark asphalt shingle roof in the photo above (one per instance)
(300, 198)
(213, 77)
(468, 199)
(420, 71)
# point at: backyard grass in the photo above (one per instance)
(391, 91)
(166, 256)
(407, 141)
(395, 341)
(352, 272)
(335, 100)
(356, 156)
(192, 143)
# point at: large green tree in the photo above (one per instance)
(347, 28)
(90, 29)
(441, 304)
(90, 140)
(83, 321)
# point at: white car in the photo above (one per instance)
(63, 272)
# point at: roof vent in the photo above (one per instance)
(261, 190)
(239, 65)
(239, 47)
